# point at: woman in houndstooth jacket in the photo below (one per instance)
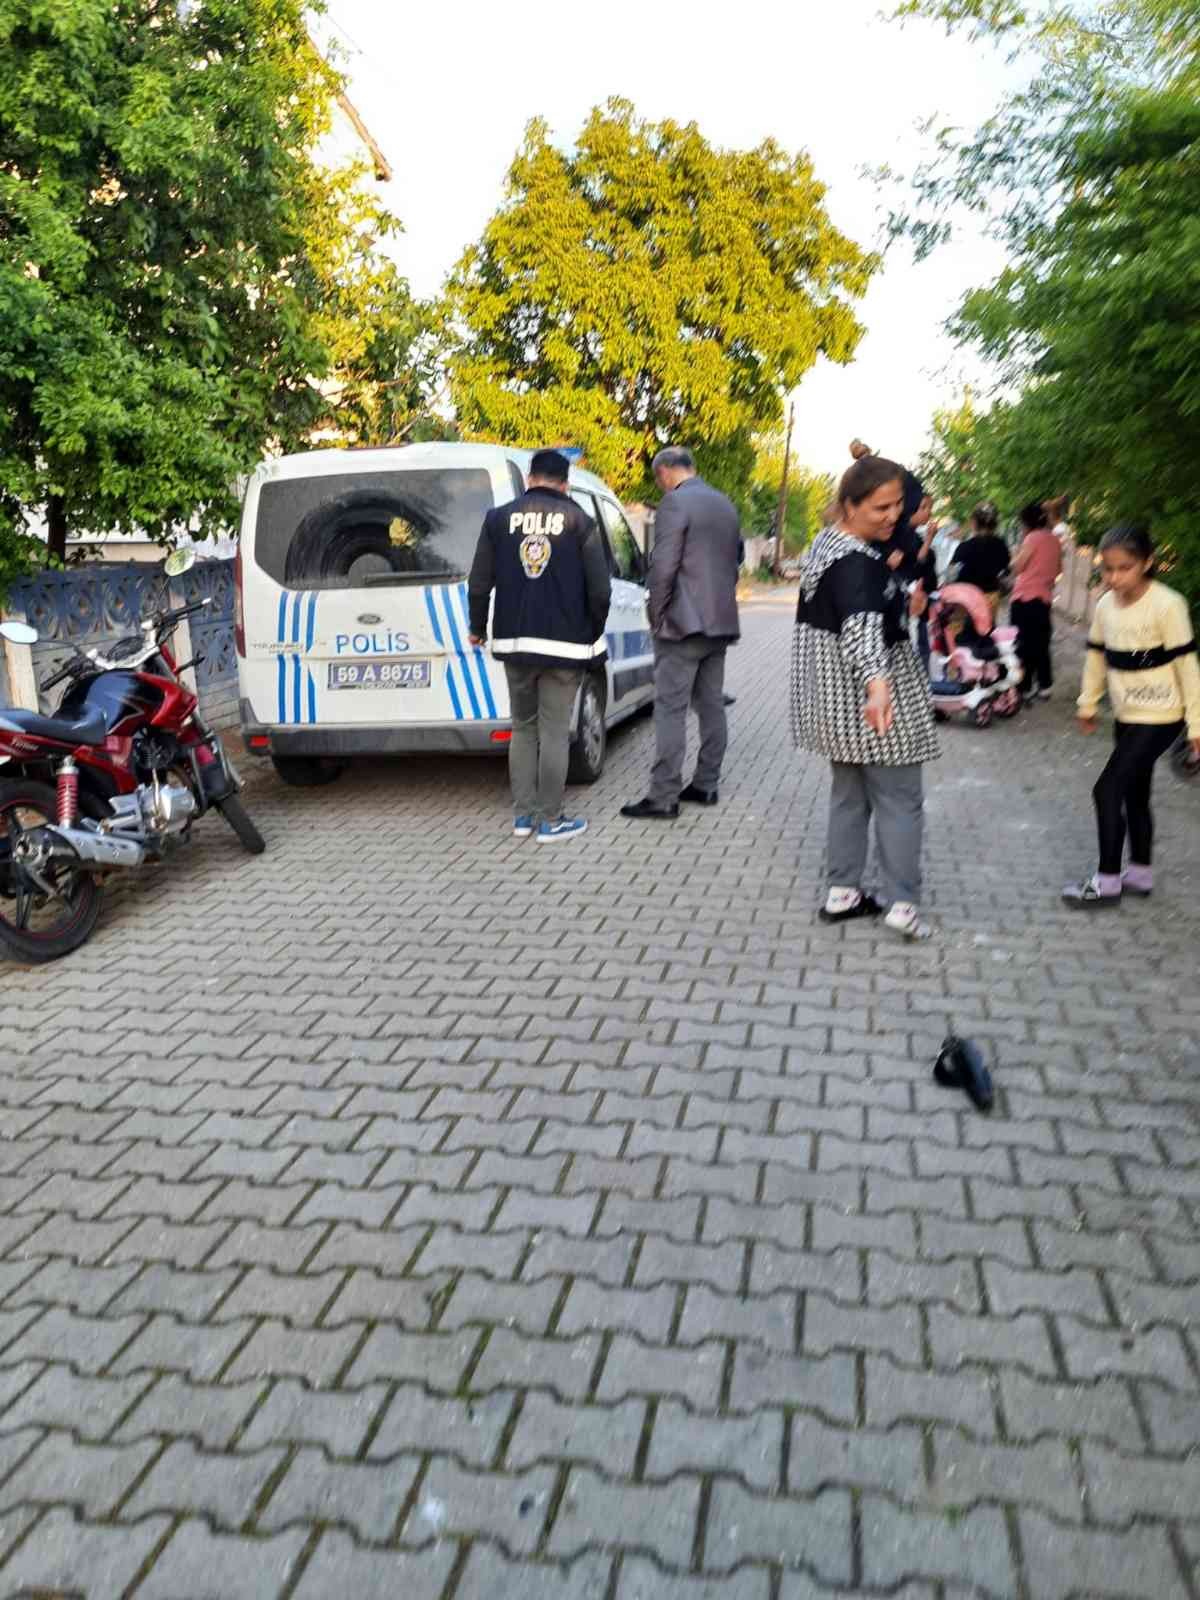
(860, 698)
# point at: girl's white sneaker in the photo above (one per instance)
(905, 920)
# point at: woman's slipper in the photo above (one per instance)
(864, 906)
(960, 1066)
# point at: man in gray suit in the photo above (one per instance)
(694, 618)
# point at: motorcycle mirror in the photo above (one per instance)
(179, 562)
(19, 633)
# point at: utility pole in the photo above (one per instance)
(781, 508)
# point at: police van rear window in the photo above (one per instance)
(369, 529)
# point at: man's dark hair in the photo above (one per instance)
(550, 464)
(1034, 516)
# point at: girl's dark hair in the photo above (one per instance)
(985, 517)
(866, 475)
(1131, 536)
(1034, 515)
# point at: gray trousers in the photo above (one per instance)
(542, 699)
(688, 672)
(893, 796)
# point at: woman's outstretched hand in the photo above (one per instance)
(918, 600)
(878, 711)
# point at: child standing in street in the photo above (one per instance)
(1037, 565)
(1141, 646)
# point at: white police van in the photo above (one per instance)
(351, 620)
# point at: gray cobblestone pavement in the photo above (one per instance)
(416, 1213)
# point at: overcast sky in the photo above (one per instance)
(447, 91)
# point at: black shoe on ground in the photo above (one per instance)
(960, 1066)
(656, 809)
(730, 699)
(699, 797)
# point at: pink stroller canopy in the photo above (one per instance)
(973, 602)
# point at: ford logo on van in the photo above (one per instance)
(368, 619)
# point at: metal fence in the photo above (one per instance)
(96, 604)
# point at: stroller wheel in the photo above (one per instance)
(981, 715)
(940, 716)
(1008, 704)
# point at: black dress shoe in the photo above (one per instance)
(730, 699)
(652, 808)
(699, 797)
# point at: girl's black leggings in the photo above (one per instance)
(1122, 792)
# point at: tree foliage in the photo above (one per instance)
(645, 287)
(1095, 324)
(965, 463)
(809, 495)
(177, 273)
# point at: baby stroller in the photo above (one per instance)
(973, 665)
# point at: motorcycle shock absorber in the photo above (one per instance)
(68, 793)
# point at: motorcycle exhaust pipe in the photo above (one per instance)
(97, 849)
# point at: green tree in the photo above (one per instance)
(178, 275)
(964, 461)
(1094, 176)
(645, 287)
(809, 495)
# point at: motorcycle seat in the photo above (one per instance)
(90, 729)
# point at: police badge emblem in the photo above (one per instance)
(535, 554)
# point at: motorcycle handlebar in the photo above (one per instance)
(171, 619)
(92, 658)
(62, 674)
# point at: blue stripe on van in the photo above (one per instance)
(296, 619)
(450, 684)
(296, 686)
(280, 629)
(466, 670)
(477, 655)
(312, 697)
(433, 620)
(312, 621)
(440, 642)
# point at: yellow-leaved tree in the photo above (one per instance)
(645, 287)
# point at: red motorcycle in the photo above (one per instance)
(110, 783)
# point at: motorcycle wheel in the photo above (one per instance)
(249, 837)
(33, 927)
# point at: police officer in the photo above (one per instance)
(544, 558)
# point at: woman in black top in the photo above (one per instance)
(983, 558)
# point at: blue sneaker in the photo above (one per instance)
(564, 828)
(522, 827)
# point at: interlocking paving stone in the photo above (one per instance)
(608, 1436)
(452, 1501)
(620, 1246)
(210, 1566)
(339, 1567)
(900, 1543)
(1062, 1560)
(644, 1516)
(813, 1533)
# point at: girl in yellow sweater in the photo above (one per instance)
(1141, 647)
